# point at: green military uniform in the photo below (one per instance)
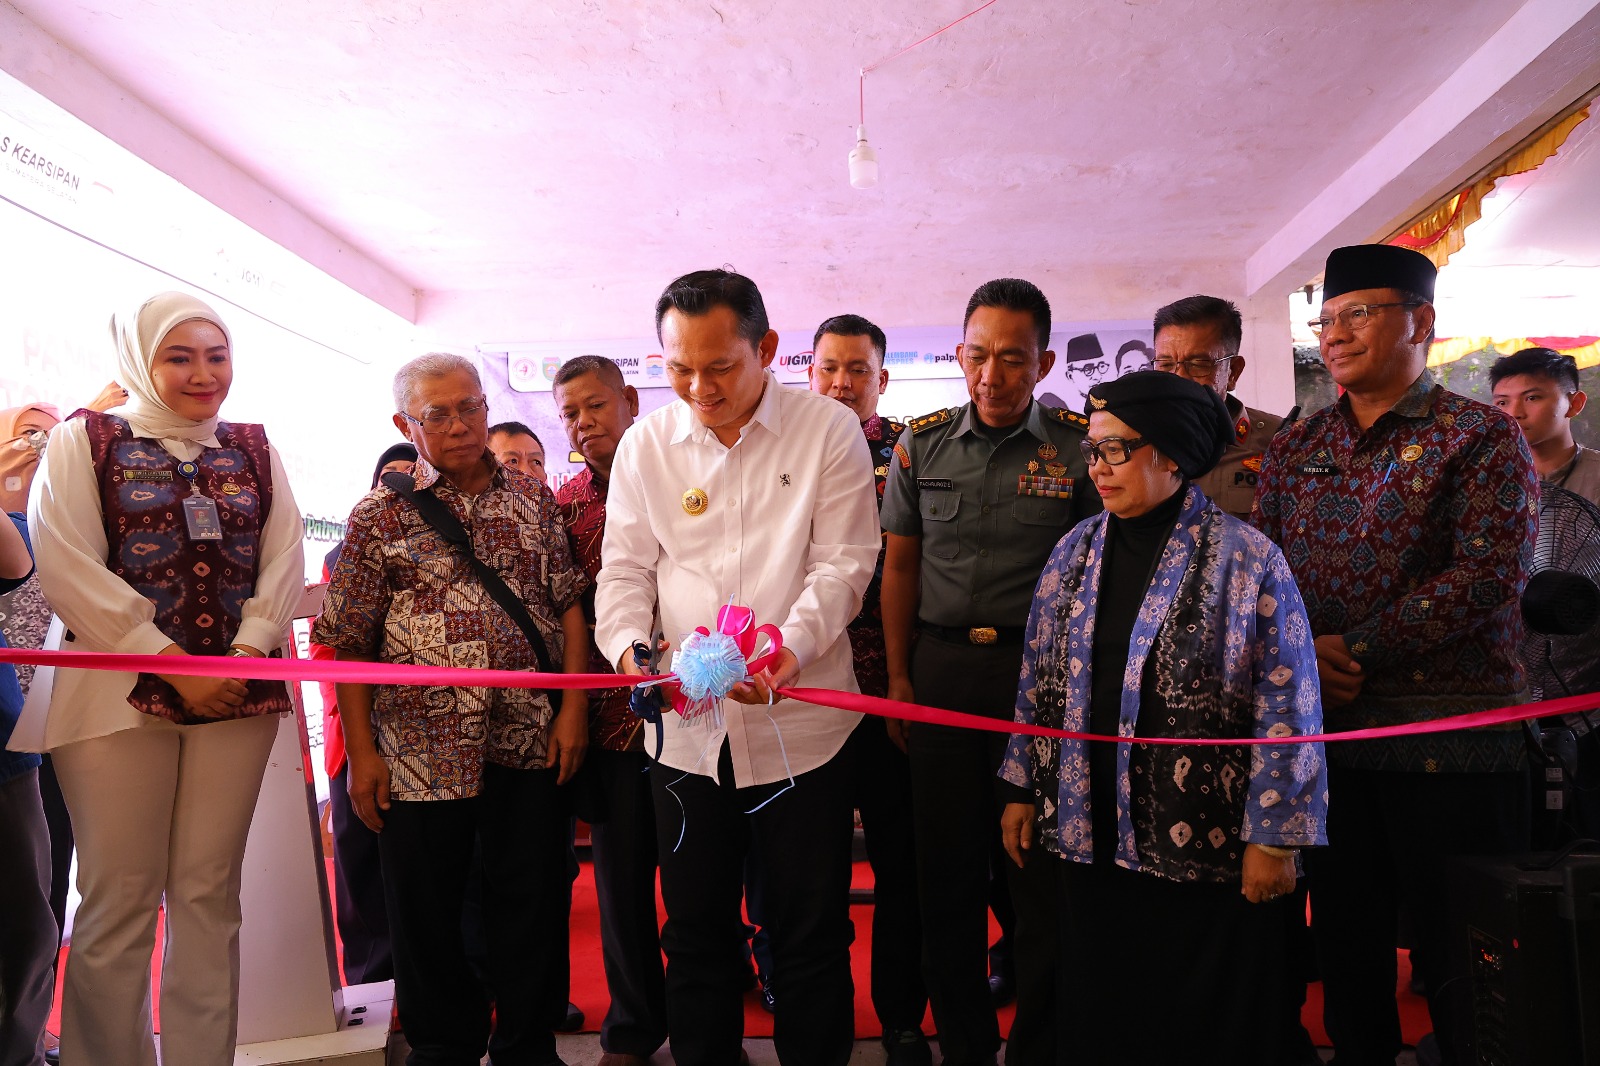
(988, 514)
(1232, 484)
(989, 507)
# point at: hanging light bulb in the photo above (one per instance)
(863, 162)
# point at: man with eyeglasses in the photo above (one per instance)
(435, 771)
(1198, 338)
(976, 499)
(1407, 513)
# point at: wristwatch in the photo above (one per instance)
(239, 653)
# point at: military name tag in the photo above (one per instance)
(146, 475)
(201, 515)
(934, 484)
(1056, 488)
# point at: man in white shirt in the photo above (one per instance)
(747, 492)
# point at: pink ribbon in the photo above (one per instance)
(740, 624)
(456, 677)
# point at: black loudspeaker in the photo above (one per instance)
(1531, 927)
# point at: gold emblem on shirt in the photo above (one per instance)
(230, 489)
(695, 501)
(1412, 453)
(1033, 466)
(1047, 451)
(1056, 469)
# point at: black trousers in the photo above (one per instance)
(704, 829)
(1389, 836)
(624, 850)
(956, 811)
(357, 889)
(427, 851)
(59, 820)
(1154, 971)
(29, 935)
(881, 775)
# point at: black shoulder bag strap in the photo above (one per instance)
(436, 514)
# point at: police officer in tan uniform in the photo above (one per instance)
(977, 496)
(1198, 338)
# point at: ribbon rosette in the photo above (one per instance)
(709, 664)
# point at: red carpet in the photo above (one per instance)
(589, 983)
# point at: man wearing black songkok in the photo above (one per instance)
(1408, 514)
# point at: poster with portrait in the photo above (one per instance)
(1087, 356)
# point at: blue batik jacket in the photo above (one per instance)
(1221, 648)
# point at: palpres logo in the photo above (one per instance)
(654, 366)
(552, 363)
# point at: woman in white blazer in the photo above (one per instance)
(160, 530)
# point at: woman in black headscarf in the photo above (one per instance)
(1165, 617)
(357, 879)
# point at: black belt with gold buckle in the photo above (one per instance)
(980, 635)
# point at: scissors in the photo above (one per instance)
(648, 701)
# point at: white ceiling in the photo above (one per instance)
(541, 171)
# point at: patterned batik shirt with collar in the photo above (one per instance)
(1412, 540)
(866, 629)
(402, 594)
(583, 506)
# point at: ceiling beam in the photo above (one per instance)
(56, 72)
(1534, 66)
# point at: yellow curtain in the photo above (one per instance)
(1453, 348)
(1442, 231)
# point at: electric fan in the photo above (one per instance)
(1561, 606)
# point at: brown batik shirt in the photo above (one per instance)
(402, 594)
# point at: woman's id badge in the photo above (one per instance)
(201, 515)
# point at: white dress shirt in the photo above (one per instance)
(105, 613)
(790, 531)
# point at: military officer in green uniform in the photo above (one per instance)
(976, 498)
(1198, 338)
